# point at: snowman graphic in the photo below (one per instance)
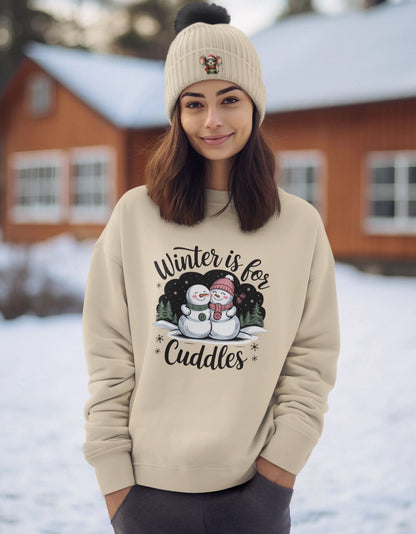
(195, 319)
(208, 309)
(224, 321)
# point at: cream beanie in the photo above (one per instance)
(212, 51)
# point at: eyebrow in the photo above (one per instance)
(219, 93)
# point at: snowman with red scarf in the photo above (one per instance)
(224, 321)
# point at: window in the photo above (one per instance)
(37, 179)
(40, 94)
(391, 193)
(92, 177)
(301, 175)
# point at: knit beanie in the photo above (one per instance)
(206, 47)
(226, 284)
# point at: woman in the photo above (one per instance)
(210, 318)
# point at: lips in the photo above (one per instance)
(216, 139)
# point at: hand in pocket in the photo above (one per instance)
(115, 500)
(274, 473)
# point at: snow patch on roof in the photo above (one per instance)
(127, 91)
(314, 61)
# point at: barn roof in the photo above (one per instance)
(313, 61)
(309, 61)
(128, 91)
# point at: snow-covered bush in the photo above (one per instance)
(43, 279)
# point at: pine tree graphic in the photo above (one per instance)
(169, 312)
(161, 312)
(256, 317)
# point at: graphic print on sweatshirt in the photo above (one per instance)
(215, 307)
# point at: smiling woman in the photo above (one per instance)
(217, 119)
(210, 317)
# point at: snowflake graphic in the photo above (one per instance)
(158, 285)
(254, 346)
(254, 358)
(157, 351)
(159, 339)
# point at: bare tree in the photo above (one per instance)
(150, 29)
(20, 23)
(297, 7)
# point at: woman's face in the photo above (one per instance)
(217, 117)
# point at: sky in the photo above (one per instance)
(248, 15)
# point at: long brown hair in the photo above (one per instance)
(175, 179)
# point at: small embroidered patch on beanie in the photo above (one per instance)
(211, 63)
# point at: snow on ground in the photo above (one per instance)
(360, 479)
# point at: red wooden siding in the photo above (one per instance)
(70, 124)
(342, 136)
(345, 135)
(139, 144)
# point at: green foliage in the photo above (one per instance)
(165, 313)
(254, 318)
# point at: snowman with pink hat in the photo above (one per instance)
(224, 321)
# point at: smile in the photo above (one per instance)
(216, 139)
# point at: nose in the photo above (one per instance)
(213, 118)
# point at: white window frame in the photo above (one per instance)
(40, 94)
(38, 212)
(306, 158)
(93, 214)
(401, 223)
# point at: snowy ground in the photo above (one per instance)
(361, 478)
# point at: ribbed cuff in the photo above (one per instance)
(114, 471)
(289, 449)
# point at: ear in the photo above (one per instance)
(202, 60)
(219, 60)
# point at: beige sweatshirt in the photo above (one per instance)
(206, 346)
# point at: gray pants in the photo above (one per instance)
(256, 507)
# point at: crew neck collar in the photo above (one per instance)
(213, 196)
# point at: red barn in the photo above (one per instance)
(341, 117)
(73, 129)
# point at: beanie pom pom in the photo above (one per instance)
(196, 12)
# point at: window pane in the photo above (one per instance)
(310, 175)
(286, 176)
(300, 179)
(383, 175)
(412, 175)
(97, 168)
(89, 184)
(412, 208)
(37, 189)
(383, 208)
(40, 95)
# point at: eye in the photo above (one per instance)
(230, 100)
(193, 105)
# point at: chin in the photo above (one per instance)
(218, 155)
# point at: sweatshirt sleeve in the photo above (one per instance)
(309, 371)
(108, 350)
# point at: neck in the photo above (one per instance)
(217, 173)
